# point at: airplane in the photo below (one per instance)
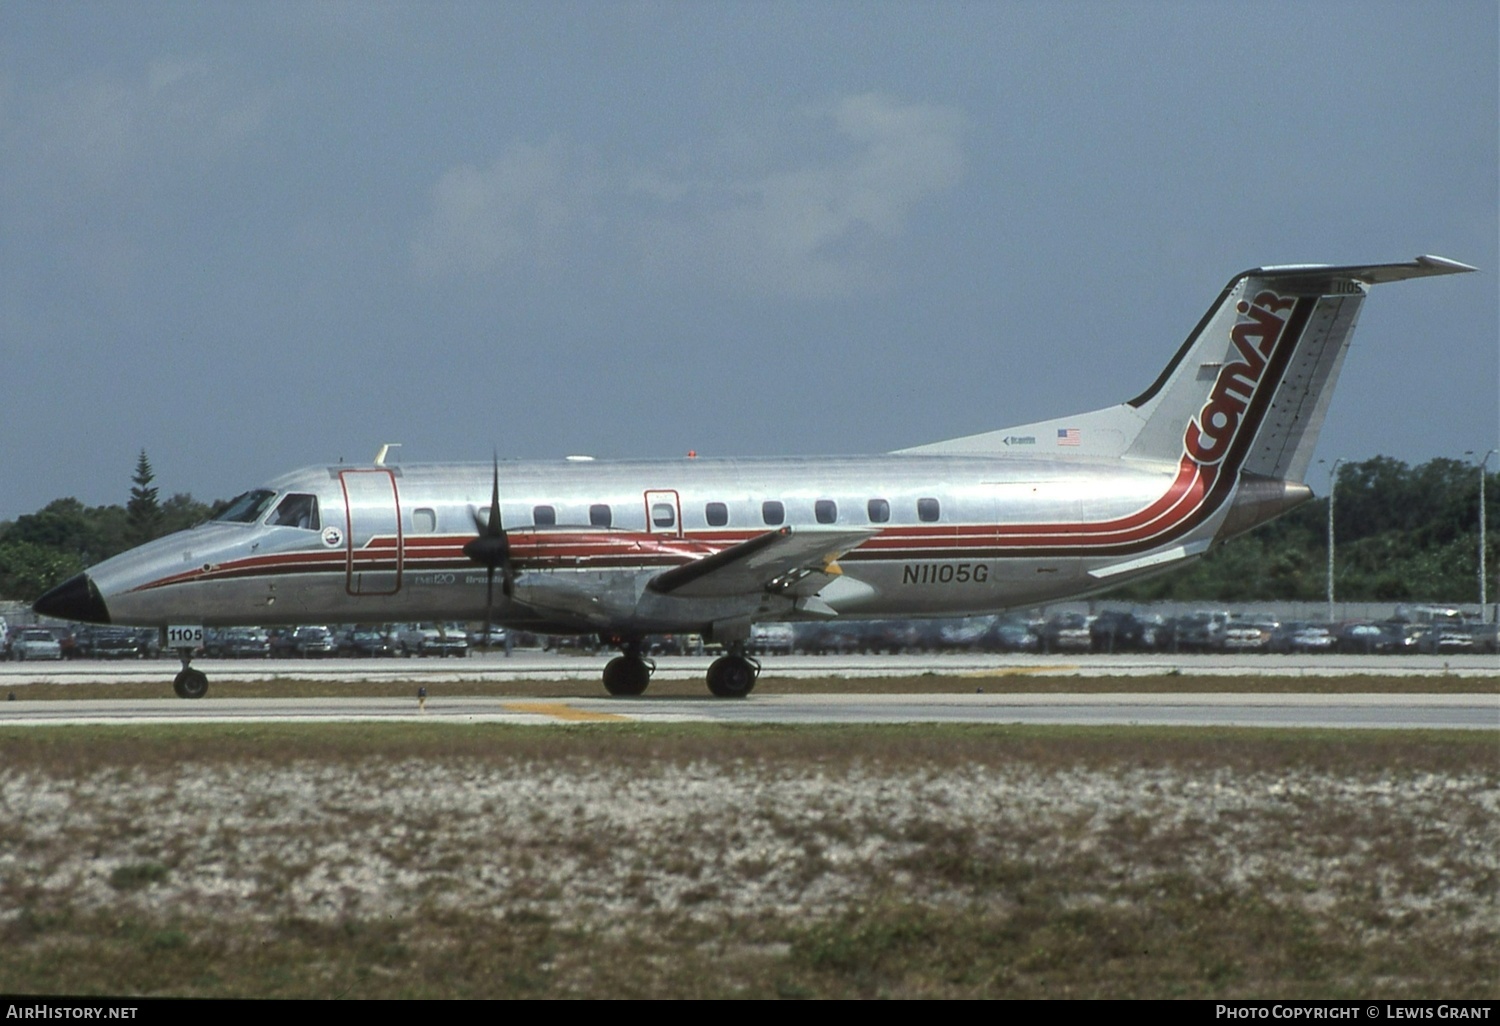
(1217, 444)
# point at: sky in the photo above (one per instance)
(249, 237)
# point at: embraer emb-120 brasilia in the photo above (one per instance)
(1219, 443)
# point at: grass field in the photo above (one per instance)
(709, 861)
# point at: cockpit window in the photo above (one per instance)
(296, 511)
(247, 508)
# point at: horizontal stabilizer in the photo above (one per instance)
(763, 561)
(1369, 274)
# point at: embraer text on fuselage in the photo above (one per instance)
(1208, 435)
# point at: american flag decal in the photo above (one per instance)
(1068, 436)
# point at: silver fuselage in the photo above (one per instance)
(388, 542)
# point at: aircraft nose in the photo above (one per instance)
(77, 598)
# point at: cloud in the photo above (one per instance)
(526, 209)
(824, 226)
(810, 207)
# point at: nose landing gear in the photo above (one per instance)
(190, 683)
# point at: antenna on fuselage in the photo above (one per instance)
(384, 450)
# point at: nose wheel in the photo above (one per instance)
(190, 683)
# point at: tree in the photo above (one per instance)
(182, 511)
(28, 569)
(1405, 534)
(143, 511)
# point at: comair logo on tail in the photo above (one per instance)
(1209, 435)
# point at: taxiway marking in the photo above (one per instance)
(558, 710)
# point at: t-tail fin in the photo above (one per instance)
(1247, 390)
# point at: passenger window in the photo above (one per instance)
(716, 513)
(772, 512)
(928, 510)
(826, 510)
(662, 514)
(543, 516)
(423, 521)
(599, 515)
(879, 510)
(296, 511)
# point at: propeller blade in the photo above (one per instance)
(491, 550)
(496, 528)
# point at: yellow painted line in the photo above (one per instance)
(1016, 671)
(557, 710)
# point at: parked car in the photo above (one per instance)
(673, 644)
(314, 642)
(1445, 639)
(1115, 631)
(1067, 632)
(1199, 632)
(897, 636)
(1302, 638)
(771, 638)
(283, 642)
(589, 643)
(432, 639)
(1486, 637)
(35, 643)
(244, 643)
(1363, 637)
(1243, 634)
(1015, 634)
(365, 642)
(92, 642)
(825, 638)
(966, 634)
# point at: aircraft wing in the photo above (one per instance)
(786, 561)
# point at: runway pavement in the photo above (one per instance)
(1476, 711)
(533, 665)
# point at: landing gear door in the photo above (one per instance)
(373, 532)
(664, 513)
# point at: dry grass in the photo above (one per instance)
(708, 861)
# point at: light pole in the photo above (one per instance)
(1484, 598)
(1333, 487)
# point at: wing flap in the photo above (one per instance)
(780, 560)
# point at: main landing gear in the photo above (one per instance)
(730, 676)
(190, 683)
(628, 674)
(733, 675)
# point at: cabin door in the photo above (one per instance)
(373, 532)
(664, 513)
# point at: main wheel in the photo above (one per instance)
(190, 683)
(731, 677)
(624, 675)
